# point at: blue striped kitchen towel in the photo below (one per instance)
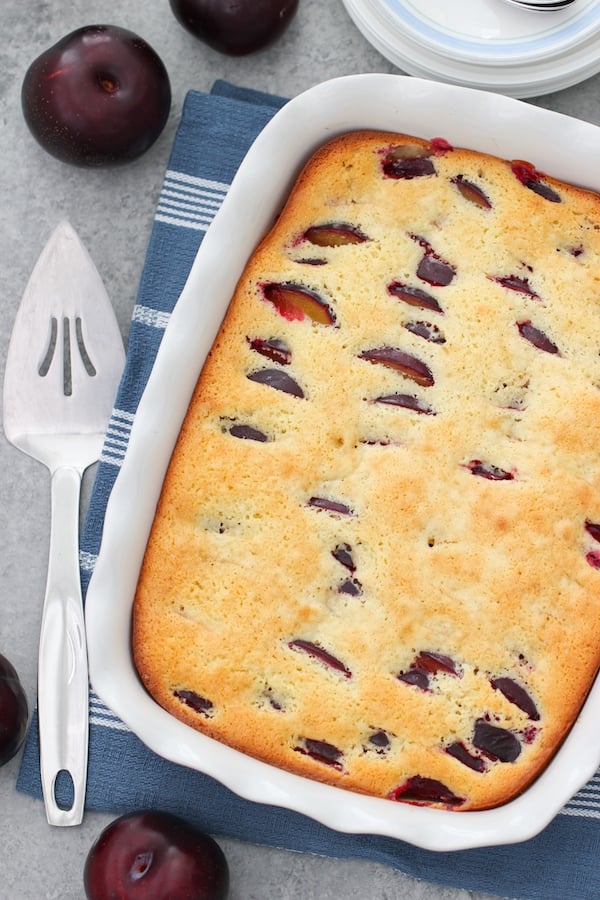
(563, 861)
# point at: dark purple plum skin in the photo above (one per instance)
(495, 742)
(150, 854)
(235, 27)
(419, 789)
(100, 96)
(14, 711)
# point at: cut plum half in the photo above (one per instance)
(407, 365)
(536, 337)
(495, 742)
(278, 380)
(321, 752)
(530, 178)
(463, 755)
(426, 330)
(471, 192)
(350, 586)
(334, 234)
(435, 663)
(406, 401)
(593, 529)
(407, 161)
(489, 471)
(247, 433)
(311, 261)
(415, 677)
(332, 506)
(295, 302)
(379, 741)
(592, 557)
(195, 701)
(421, 790)
(516, 693)
(518, 283)
(315, 651)
(274, 349)
(433, 269)
(426, 664)
(343, 554)
(414, 296)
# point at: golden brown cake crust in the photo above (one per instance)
(376, 558)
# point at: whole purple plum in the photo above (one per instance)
(100, 96)
(235, 27)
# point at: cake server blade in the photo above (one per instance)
(64, 363)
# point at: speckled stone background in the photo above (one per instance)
(112, 210)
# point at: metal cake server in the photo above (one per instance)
(63, 367)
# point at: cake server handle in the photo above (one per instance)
(62, 664)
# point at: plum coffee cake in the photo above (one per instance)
(376, 557)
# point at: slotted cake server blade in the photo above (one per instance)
(63, 367)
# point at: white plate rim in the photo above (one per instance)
(495, 124)
(519, 84)
(563, 30)
(519, 81)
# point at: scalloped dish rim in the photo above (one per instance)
(465, 117)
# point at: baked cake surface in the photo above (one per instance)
(376, 557)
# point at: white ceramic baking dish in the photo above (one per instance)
(564, 147)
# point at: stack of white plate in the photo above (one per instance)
(486, 44)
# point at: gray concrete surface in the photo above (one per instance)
(112, 211)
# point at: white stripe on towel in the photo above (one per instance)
(102, 715)
(586, 802)
(117, 436)
(156, 318)
(87, 561)
(189, 202)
